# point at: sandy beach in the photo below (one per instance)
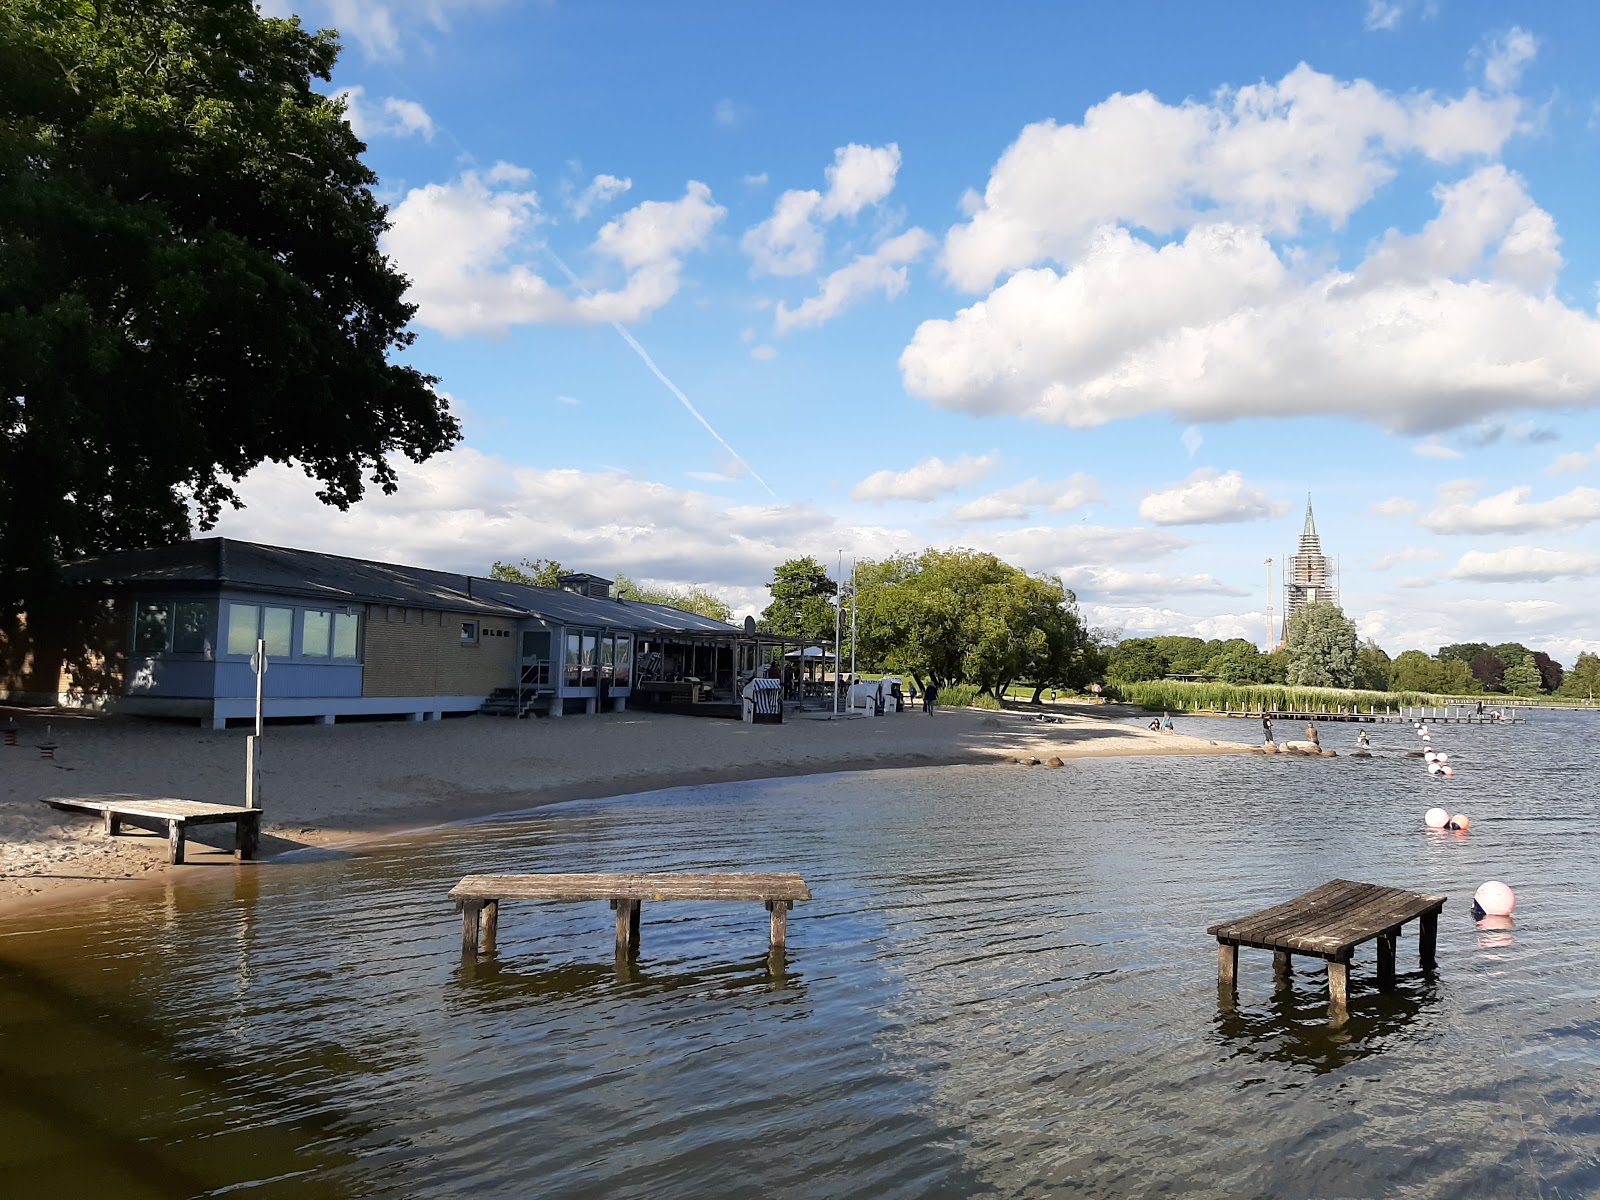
(325, 785)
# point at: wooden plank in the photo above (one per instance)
(780, 922)
(1328, 920)
(1288, 910)
(192, 811)
(678, 886)
(470, 911)
(1386, 947)
(1339, 984)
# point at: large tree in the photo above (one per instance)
(190, 280)
(535, 572)
(802, 601)
(693, 598)
(1373, 668)
(1583, 681)
(1322, 647)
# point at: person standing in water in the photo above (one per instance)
(1266, 728)
(1311, 734)
(1362, 740)
(1166, 722)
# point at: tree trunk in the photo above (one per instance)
(1038, 690)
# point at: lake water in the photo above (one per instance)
(1003, 987)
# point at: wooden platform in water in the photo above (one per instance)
(174, 815)
(1329, 922)
(479, 897)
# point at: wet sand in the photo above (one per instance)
(358, 781)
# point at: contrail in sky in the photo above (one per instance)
(661, 375)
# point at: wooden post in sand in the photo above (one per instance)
(252, 743)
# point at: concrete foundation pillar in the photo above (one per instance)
(324, 718)
(216, 722)
(436, 715)
(416, 716)
(591, 706)
(619, 704)
(556, 706)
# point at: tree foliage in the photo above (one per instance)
(959, 616)
(1322, 647)
(1488, 670)
(693, 598)
(1550, 672)
(1523, 678)
(1373, 667)
(535, 572)
(190, 280)
(1415, 671)
(1583, 681)
(802, 601)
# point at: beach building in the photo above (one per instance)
(1311, 576)
(171, 632)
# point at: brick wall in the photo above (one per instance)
(419, 652)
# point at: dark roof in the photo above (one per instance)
(334, 579)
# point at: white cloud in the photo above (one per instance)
(1219, 326)
(392, 117)
(1058, 549)
(757, 180)
(1033, 495)
(1394, 506)
(1511, 511)
(460, 244)
(1267, 155)
(1392, 558)
(1507, 56)
(1096, 583)
(1517, 564)
(1207, 498)
(726, 113)
(1571, 464)
(1192, 440)
(1434, 448)
(1384, 14)
(763, 353)
(881, 270)
(602, 190)
(790, 241)
(369, 23)
(929, 479)
(569, 400)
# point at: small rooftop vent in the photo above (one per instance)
(587, 585)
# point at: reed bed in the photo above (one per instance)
(1176, 696)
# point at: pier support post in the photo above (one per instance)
(175, 842)
(247, 837)
(1339, 985)
(1281, 966)
(471, 911)
(1386, 941)
(627, 925)
(780, 922)
(1227, 964)
(489, 924)
(1428, 940)
(113, 823)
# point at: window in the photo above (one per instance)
(277, 629)
(244, 626)
(591, 639)
(623, 671)
(315, 631)
(469, 633)
(152, 627)
(193, 627)
(574, 654)
(346, 635)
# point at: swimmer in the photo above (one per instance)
(1362, 739)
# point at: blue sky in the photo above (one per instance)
(1107, 290)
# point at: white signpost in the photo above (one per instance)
(252, 744)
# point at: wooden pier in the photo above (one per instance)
(1329, 922)
(479, 896)
(1355, 715)
(175, 816)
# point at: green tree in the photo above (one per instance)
(960, 616)
(1137, 659)
(1583, 681)
(1461, 651)
(190, 279)
(1322, 647)
(802, 601)
(1523, 679)
(1415, 671)
(1550, 672)
(1373, 667)
(535, 572)
(693, 598)
(1238, 661)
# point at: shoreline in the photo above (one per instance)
(346, 787)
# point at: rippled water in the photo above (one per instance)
(1003, 987)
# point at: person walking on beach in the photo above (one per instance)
(930, 698)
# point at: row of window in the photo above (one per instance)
(592, 657)
(190, 627)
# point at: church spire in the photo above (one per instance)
(1311, 525)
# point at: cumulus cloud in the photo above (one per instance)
(1394, 506)
(928, 480)
(790, 241)
(1032, 495)
(881, 270)
(1578, 460)
(1434, 448)
(463, 244)
(1133, 587)
(600, 192)
(1209, 498)
(1516, 564)
(1505, 58)
(1269, 155)
(1510, 511)
(1176, 259)
(1392, 558)
(1220, 326)
(389, 117)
